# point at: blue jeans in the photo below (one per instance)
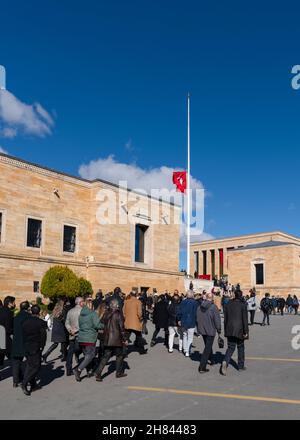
(74, 348)
(89, 352)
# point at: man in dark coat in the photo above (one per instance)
(236, 330)
(209, 323)
(34, 337)
(18, 351)
(114, 339)
(6, 325)
(160, 319)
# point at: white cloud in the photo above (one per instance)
(2, 150)
(144, 179)
(16, 116)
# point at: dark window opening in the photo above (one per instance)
(36, 286)
(34, 233)
(69, 239)
(196, 255)
(204, 253)
(259, 273)
(140, 231)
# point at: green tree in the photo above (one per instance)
(60, 281)
(85, 287)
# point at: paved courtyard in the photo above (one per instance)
(166, 386)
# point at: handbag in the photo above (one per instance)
(221, 342)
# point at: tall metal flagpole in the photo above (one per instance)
(188, 241)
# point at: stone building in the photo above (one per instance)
(270, 262)
(50, 218)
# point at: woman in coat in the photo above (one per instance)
(59, 332)
(134, 320)
(89, 326)
(114, 339)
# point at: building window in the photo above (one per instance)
(36, 286)
(140, 231)
(259, 274)
(34, 233)
(204, 253)
(196, 256)
(1, 222)
(69, 239)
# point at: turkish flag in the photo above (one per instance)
(179, 179)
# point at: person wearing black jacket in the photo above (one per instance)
(7, 322)
(266, 307)
(236, 330)
(173, 310)
(18, 352)
(160, 319)
(34, 338)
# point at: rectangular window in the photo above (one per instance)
(204, 253)
(196, 256)
(69, 239)
(259, 274)
(140, 231)
(34, 233)
(36, 286)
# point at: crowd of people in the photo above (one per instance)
(91, 331)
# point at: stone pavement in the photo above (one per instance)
(168, 386)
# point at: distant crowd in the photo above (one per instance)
(91, 330)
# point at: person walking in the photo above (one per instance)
(18, 352)
(251, 306)
(289, 304)
(266, 307)
(160, 319)
(134, 320)
(114, 340)
(173, 327)
(295, 304)
(34, 332)
(281, 305)
(72, 326)
(59, 332)
(236, 330)
(7, 322)
(187, 320)
(89, 325)
(208, 324)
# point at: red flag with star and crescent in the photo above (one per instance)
(179, 179)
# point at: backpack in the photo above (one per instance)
(266, 305)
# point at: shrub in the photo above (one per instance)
(85, 287)
(60, 281)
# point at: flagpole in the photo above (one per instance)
(188, 241)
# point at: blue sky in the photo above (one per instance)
(116, 73)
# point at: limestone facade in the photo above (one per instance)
(270, 262)
(105, 254)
